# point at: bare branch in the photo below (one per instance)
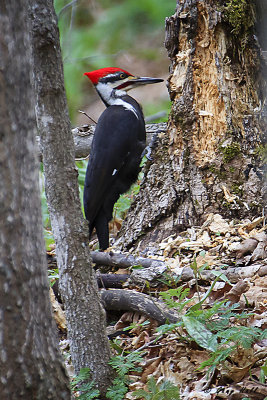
(122, 299)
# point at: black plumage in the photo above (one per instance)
(114, 163)
(117, 147)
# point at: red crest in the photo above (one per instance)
(94, 76)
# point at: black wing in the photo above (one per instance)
(113, 166)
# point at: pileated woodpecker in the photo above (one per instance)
(118, 144)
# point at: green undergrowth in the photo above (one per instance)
(85, 389)
(107, 33)
(123, 364)
(218, 327)
(221, 328)
(162, 391)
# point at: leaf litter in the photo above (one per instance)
(227, 263)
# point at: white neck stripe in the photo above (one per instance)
(127, 106)
(107, 93)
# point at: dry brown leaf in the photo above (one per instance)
(255, 389)
(150, 369)
(219, 291)
(204, 239)
(58, 313)
(230, 198)
(259, 235)
(191, 394)
(135, 386)
(171, 244)
(218, 224)
(122, 271)
(258, 292)
(139, 318)
(140, 340)
(124, 321)
(248, 230)
(260, 320)
(207, 258)
(178, 378)
(246, 247)
(234, 294)
(198, 356)
(238, 373)
(260, 252)
(241, 363)
(251, 225)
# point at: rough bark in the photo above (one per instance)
(84, 311)
(30, 362)
(210, 159)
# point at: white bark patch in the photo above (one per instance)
(180, 72)
(46, 120)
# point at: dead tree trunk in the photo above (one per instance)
(84, 311)
(31, 367)
(211, 158)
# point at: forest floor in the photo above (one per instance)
(215, 283)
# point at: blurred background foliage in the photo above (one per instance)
(101, 33)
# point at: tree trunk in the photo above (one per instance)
(211, 158)
(30, 362)
(84, 312)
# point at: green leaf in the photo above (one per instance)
(152, 385)
(263, 373)
(202, 268)
(82, 385)
(206, 295)
(118, 390)
(263, 335)
(242, 335)
(53, 275)
(174, 297)
(114, 344)
(166, 390)
(199, 333)
(162, 329)
(221, 276)
(136, 267)
(217, 357)
(124, 364)
(49, 239)
(141, 394)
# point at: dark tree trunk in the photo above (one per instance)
(30, 362)
(210, 159)
(84, 311)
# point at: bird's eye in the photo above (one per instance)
(122, 76)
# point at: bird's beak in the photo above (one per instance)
(138, 81)
(132, 82)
